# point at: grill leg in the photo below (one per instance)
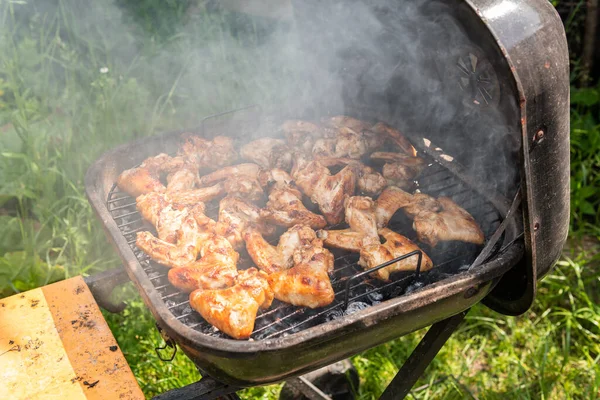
(205, 389)
(421, 357)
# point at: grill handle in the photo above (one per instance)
(168, 343)
(418, 253)
(102, 285)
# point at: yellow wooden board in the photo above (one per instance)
(55, 344)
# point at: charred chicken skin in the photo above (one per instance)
(216, 268)
(233, 310)
(326, 190)
(271, 258)
(306, 284)
(396, 245)
(268, 153)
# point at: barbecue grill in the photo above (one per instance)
(503, 83)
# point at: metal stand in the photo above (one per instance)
(205, 389)
(437, 335)
(421, 357)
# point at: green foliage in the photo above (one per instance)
(585, 161)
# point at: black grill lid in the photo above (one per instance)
(491, 65)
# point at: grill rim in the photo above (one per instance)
(97, 186)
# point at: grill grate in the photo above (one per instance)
(283, 319)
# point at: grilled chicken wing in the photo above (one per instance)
(194, 196)
(393, 198)
(270, 258)
(306, 284)
(285, 208)
(368, 181)
(268, 153)
(452, 223)
(216, 268)
(236, 216)
(434, 220)
(347, 143)
(360, 215)
(150, 206)
(208, 154)
(326, 190)
(166, 211)
(355, 137)
(181, 179)
(396, 245)
(195, 228)
(146, 177)
(233, 310)
(195, 153)
(247, 170)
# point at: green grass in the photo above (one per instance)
(76, 80)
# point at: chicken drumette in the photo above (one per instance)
(233, 310)
(452, 223)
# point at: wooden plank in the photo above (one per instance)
(55, 344)
(101, 368)
(33, 361)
